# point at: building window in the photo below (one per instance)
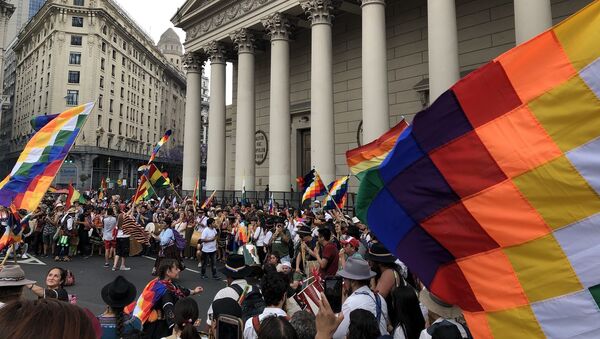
(104, 29)
(101, 82)
(73, 77)
(77, 21)
(103, 46)
(110, 106)
(110, 125)
(102, 64)
(72, 97)
(114, 54)
(113, 70)
(75, 58)
(76, 40)
(79, 2)
(100, 101)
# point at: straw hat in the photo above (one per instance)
(438, 306)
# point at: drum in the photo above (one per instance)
(308, 299)
(250, 253)
(195, 238)
(135, 247)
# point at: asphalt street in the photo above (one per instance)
(91, 276)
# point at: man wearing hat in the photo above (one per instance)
(357, 276)
(444, 317)
(12, 280)
(236, 271)
(118, 294)
(349, 250)
(223, 306)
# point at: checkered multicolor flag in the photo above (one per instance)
(41, 159)
(492, 196)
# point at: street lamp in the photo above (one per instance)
(108, 175)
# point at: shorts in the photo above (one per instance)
(108, 244)
(123, 247)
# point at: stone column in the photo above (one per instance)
(375, 104)
(322, 147)
(278, 28)
(443, 46)
(192, 63)
(532, 17)
(245, 128)
(215, 164)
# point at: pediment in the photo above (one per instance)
(189, 7)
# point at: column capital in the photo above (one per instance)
(369, 2)
(278, 26)
(216, 52)
(320, 11)
(193, 62)
(243, 40)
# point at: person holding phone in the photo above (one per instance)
(357, 276)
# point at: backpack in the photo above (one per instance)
(179, 240)
(253, 303)
(70, 279)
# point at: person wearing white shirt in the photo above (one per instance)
(209, 248)
(236, 271)
(259, 239)
(274, 290)
(357, 276)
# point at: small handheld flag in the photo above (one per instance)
(336, 196)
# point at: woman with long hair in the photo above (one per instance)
(55, 282)
(186, 315)
(362, 325)
(155, 306)
(44, 318)
(114, 322)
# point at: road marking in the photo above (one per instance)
(187, 269)
(30, 260)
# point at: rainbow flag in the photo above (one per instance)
(492, 196)
(41, 159)
(73, 195)
(145, 190)
(336, 194)
(372, 154)
(102, 189)
(314, 186)
(159, 145)
(142, 308)
(156, 176)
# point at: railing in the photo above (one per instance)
(259, 198)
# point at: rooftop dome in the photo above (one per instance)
(169, 37)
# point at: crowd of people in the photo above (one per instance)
(275, 265)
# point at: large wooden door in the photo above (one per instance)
(305, 165)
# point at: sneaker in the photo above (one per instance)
(199, 264)
(114, 268)
(106, 264)
(24, 251)
(204, 277)
(123, 268)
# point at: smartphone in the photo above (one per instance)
(229, 327)
(333, 293)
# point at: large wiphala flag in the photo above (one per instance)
(492, 196)
(41, 159)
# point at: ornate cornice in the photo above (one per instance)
(237, 9)
(193, 62)
(278, 26)
(243, 40)
(216, 52)
(320, 11)
(369, 2)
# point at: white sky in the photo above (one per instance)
(154, 16)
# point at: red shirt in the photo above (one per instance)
(330, 252)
